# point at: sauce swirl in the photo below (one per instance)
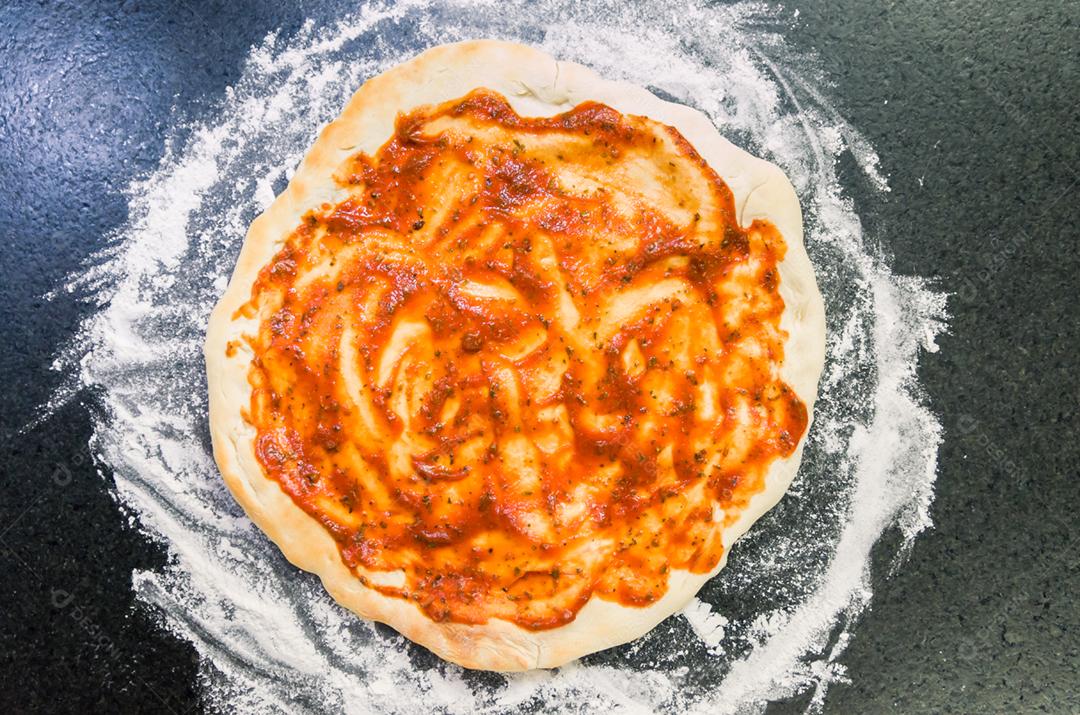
(526, 362)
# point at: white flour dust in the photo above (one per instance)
(773, 625)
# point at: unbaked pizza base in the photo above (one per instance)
(535, 84)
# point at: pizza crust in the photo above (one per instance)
(535, 84)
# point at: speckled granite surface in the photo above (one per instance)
(974, 110)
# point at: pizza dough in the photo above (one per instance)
(535, 85)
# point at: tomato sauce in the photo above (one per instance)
(523, 362)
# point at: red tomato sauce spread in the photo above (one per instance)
(523, 362)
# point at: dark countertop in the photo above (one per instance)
(975, 112)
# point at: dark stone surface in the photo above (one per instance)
(975, 111)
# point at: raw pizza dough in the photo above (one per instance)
(535, 85)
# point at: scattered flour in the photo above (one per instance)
(774, 624)
(708, 625)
